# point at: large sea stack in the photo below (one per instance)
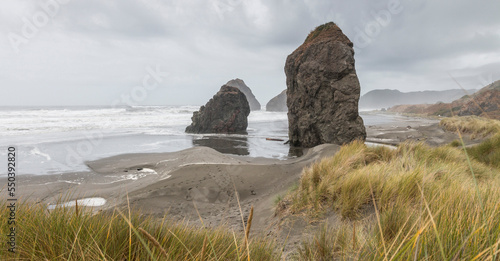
(323, 90)
(226, 112)
(240, 84)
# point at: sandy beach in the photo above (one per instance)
(202, 182)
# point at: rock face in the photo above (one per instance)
(488, 100)
(277, 103)
(323, 90)
(226, 112)
(240, 84)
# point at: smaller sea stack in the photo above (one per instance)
(226, 112)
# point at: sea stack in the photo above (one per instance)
(323, 90)
(240, 84)
(278, 103)
(226, 112)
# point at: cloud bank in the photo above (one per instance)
(70, 52)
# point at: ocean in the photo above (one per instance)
(52, 140)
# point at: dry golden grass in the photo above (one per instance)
(64, 234)
(472, 125)
(489, 150)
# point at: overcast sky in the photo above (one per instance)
(94, 52)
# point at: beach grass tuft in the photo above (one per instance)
(472, 125)
(64, 234)
(488, 151)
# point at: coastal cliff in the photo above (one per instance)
(484, 102)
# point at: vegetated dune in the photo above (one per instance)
(410, 202)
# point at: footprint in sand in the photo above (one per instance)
(222, 179)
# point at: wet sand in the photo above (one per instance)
(414, 129)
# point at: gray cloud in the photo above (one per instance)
(91, 52)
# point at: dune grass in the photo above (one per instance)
(413, 202)
(472, 125)
(488, 151)
(64, 234)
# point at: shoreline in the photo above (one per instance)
(125, 168)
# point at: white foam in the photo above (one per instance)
(59, 181)
(22, 122)
(267, 116)
(148, 171)
(166, 177)
(86, 202)
(36, 151)
(132, 177)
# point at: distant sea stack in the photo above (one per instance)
(240, 84)
(226, 112)
(278, 103)
(323, 90)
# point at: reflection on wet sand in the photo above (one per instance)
(231, 145)
(295, 151)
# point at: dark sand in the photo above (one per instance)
(201, 182)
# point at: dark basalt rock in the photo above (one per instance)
(323, 90)
(278, 103)
(226, 112)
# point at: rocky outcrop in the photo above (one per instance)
(277, 103)
(484, 102)
(377, 99)
(240, 84)
(323, 90)
(226, 112)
